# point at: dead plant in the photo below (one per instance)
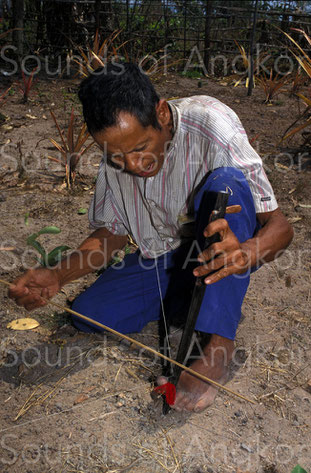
(158, 67)
(298, 81)
(71, 150)
(246, 64)
(25, 87)
(304, 119)
(3, 99)
(100, 53)
(271, 86)
(5, 33)
(302, 56)
(3, 96)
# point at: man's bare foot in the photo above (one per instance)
(194, 394)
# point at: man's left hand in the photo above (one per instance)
(225, 257)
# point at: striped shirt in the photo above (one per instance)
(207, 135)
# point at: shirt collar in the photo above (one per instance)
(176, 130)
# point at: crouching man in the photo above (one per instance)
(159, 159)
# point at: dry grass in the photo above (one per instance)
(41, 394)
(162, 453)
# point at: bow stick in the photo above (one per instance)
(141, 345)
(199, 290)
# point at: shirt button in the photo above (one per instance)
(152, 203)
(160, 227)
(171, 239)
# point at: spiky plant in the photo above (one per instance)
(297, 82)
(3, 99)
(3, 35)
(304, 119)
(3, 96)
(99, 53)
(26, 86)
(302, 56)
(71, 150)
(271, 86)
(246, 64)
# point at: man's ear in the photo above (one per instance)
(163, 113)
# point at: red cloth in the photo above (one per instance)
(169, 390)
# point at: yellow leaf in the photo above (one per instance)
(237, 82)
(296, 130)
(305, 99)
(294, 219)
(58, 146)
(281, 166)
(23, 324)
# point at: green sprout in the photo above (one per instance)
(298, 469)
(54, 256)
(82, 211)
(26, 218)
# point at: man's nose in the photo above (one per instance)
(133, 163)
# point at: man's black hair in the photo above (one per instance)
(118, 87)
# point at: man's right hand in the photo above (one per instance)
(30, 289)
(33, 288)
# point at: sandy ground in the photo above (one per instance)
(72, 402)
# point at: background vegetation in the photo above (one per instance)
(59, 28)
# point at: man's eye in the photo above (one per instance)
(116, 158)
(115, 161)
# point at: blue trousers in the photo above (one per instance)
(126, 296)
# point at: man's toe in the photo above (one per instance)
(180, 401)
(190, 405)
(205, 401)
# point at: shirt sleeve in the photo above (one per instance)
(240, 154)
(103, 210)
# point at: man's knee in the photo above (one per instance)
(227, 179)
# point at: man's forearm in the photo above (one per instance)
(271, 240)
(94, 253)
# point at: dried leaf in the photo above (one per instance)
(281, 166)
(294, 219)
(23, 324)
(70, 132)
(305, 99)
(89, 389)
(81, 398)
(59, 131)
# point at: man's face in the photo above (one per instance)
(136, 149)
